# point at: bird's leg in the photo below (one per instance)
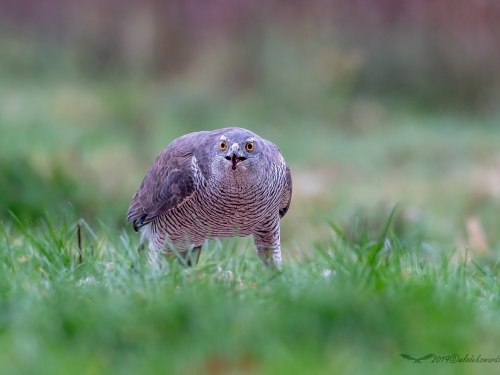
(154, 256)
(267, 242)
(193, 256)
(166, 252)
(270, 256)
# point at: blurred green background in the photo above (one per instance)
(371, 102)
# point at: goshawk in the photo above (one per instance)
(213, 184)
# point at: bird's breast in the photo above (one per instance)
(238, 204)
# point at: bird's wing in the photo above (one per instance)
(287, 195)
(406, 356)
(169, 181)
(426, 357)
(274, 153)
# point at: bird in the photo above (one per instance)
(416, 360)
(213, 184)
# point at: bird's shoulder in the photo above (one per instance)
(273, 153)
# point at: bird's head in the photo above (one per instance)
(238, 150)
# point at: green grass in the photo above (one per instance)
(97, 308)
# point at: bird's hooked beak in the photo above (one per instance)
(234, 156)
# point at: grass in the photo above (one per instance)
(352, 306)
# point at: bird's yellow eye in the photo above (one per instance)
(222, 145)
(249, 147)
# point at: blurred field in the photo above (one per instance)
(87, 148)
(373, 104)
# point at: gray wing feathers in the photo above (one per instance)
(168, 183)
(287, 194)
(274, 154)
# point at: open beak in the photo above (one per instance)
(234, 156)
